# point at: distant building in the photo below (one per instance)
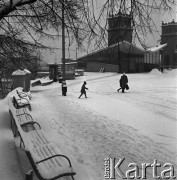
(119, 28)
(152, 57)
(169, 36)
(120, 55)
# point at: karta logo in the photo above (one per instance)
(134, 171)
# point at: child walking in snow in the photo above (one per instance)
(83, 89)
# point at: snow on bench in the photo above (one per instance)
(49, 163)
(22, 111)
(21, 102)
(45, 157)
(23, 94)
(23, 115)
(23, 123)
(37, 138)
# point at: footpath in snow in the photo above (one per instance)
(139, 125)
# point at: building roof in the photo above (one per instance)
(19, 72)
(49, 64)
(124, 46)
(156, 48)
(128, 47)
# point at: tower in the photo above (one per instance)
(119, 28)
(169, 36)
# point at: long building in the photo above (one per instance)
(121, 55)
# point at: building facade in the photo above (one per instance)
(169, 36)
(152, 57)
(119, 28)
(120, 55)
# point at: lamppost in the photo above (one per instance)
(64, 87)
(63, 39)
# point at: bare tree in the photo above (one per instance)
(142, 12)
(84, 19)
(15, 54)
(41, 18)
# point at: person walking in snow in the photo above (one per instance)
(83, 89)
(123, 83)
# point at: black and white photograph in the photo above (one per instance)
(88, 89)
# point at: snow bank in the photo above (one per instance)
(9, 166)
(155, 72)
(139, 125)
(42, 80)
(170, 71)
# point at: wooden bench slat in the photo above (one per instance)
(53, 150)
(50, 168)
(45, 157)
(24, 118)
(37, 138)
(50, 152)
(22, 111)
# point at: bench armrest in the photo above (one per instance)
(57, 155)
(31, 123)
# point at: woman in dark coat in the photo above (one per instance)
(83, 90)
(123, 83)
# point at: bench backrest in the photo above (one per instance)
(22, 133)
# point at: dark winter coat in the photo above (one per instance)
(83, 88)
(123, 81)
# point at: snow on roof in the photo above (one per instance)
(19, 72)
(27, 71)
(170, 71)
(124, 46)
(157, 48)
(68, 63)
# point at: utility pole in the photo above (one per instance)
(63, 39)
(63, 86)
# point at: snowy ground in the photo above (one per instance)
(139, 125)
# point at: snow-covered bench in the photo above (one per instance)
(21, 102)
(45, 157)
(22, 111)
(23, 117)
(22, 94)
(48, 162)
